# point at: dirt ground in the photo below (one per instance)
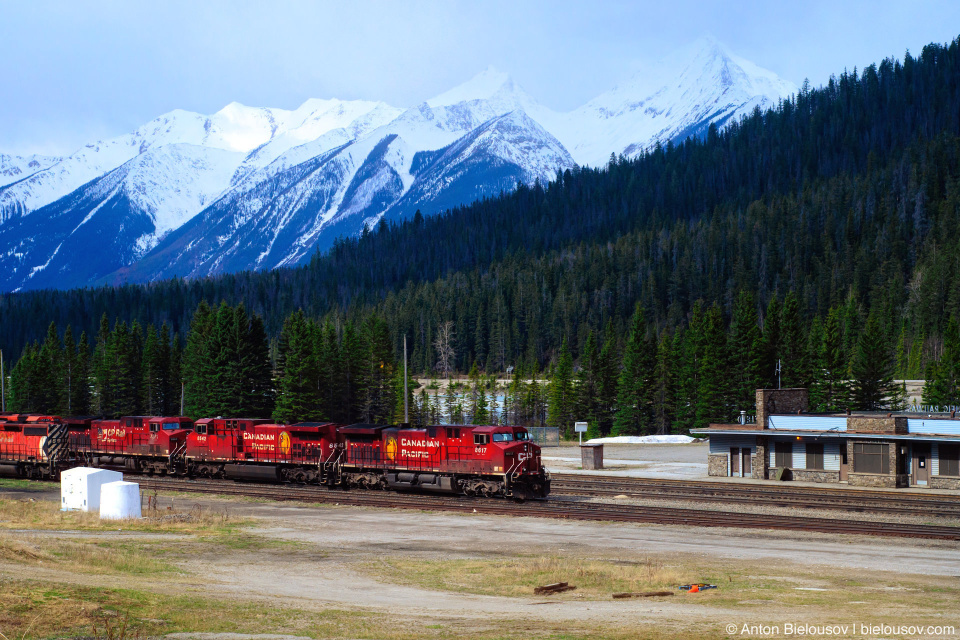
(318, 558)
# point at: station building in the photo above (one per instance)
(785, 442)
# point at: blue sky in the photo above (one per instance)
(75, 72)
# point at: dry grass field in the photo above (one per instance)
(232, 567)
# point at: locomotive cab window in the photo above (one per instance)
(522, 435)
(481, 438)
(503, 437)
(201, 428)
(154, 426)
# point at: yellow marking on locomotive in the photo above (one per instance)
(285, 443)
(391, 449)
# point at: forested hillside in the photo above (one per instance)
(842, 203)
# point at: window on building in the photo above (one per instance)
(783, 454)
(949, 459)
(815, 455)
(871, 458)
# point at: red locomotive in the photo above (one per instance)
(32, 446)
(488, 461)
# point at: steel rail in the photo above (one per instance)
(556, 507)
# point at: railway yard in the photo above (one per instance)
(223, 557)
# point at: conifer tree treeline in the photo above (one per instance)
(641, 382)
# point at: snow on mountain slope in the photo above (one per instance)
(234, 128)
(15, 168)
(429, 157)
(699, 85)
(490, 159)
(329, 123)
(127, 210)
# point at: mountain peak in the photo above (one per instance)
(483, 86)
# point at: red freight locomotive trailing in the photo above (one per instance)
(31, 446)
(484, 461)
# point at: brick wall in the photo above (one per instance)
(813, 475)
(760, 460)
(783, 401)
(717, 464)
(877, 424)
(944, 482)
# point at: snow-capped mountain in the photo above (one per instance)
(682, 96)
(257, 188)
(313, 194)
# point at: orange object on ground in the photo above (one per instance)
(694, 589)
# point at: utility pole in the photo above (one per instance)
(406, 409)
(181, 398)
(779, 369)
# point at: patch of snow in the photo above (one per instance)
(671, 439)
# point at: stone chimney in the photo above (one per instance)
(782, 401)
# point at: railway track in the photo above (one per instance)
(559, 507)
(830, 498)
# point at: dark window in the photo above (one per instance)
(871, 458)
(34, 431)
(432, 432)
(201, 428)
(814, 455)
(783, 454)
(949, 459)
(481, 438)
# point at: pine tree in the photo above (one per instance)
(793, 344)
(561, 403)
(587, 388)
(816, 367)
(23, 385)
(355, 374)
(713, 396)
(871, 369)
(685, 356)
(297, 398)
(663, 385)
(379, 396)
(226, 392)
(197, 369)
(103, 370)
(152, 384)
(607, 376)
(166, 394)
(746, 352)
(176, 394)
(256, 377)
(772, 344)
(48, 377)
(634, 385)
(80, 379)
(833, 365)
